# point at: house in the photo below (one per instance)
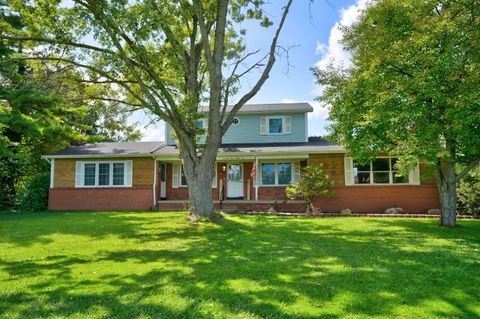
(273, 138)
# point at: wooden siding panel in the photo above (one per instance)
(64, 175)
(333, 165)
(248, 131)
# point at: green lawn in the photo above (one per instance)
(156, 265)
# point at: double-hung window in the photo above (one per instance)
(275, 125)
(103, 174)
(276, 174)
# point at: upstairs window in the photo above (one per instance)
(275, 125)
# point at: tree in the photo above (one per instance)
(469, 193)
(313, 182)
(167, 57)
(412, 88)
(43, 108)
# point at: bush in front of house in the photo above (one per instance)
(32, 195)
(313, 182)
(468, 193)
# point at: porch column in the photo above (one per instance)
(256, 179)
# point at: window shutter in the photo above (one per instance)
(78, 174)
(414, 175)
(175, 175)
(296, 172)
(263, 125)
(128, 173)
(288, 125)
(214, 182)
(348, 171)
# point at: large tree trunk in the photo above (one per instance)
(447, 187)
(200, 176)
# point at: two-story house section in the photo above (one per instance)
(262, 153)
(263, 123)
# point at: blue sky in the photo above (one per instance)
(313, 31)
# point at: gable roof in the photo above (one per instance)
(271, 107)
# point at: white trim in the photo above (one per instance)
(283, 118)
(413, 174)
(275, 163)
(256, 178)
(306, 127)
(155, 172)
(52, 172)
(81, 174)
(87, 156)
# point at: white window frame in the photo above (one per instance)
(97, 172)
(272, 118)
(275, 163)
(413, 175)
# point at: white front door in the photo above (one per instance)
(163, 181)
(235, 181)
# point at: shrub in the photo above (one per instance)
(32, 195)
(468, 192)
(313, 182)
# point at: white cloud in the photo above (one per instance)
(333, 51)
(321, 48)
(153, 132)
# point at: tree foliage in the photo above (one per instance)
(167, 57)
(469, 193)
(412, 88)
(313, 182)
(45, 107)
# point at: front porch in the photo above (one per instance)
(250, 183)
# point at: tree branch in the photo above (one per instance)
(57, 41)
(263, 77)
(467, 169)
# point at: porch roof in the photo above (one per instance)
(314, 145)
(161, 149)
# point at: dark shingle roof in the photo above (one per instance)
(160, 148)
(121, 148)
(314, 144)
(273, 107)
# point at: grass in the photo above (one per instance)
(155, 265)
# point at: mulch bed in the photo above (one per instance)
(323, 215)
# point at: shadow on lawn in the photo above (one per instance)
(258, 266)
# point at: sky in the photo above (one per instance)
(312, 34)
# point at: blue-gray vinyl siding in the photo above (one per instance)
(248, 131)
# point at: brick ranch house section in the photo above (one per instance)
(272, 138)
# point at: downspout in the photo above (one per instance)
(52, 170)
(154, 182)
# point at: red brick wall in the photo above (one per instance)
(134, 198)
(370, 199)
